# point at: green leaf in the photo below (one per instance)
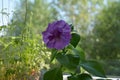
(84, 76)
(69, 61)
(73, 61)
(54, 74)
(54, 53)
(94, 68)
(72, 78)
(75, 39)
(70, 47)
(72, 27)
(80, 53)
(63, 59)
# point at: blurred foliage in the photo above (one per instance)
(78, 12)
(106, 32)
(22, 50)
(21, 59)
(38, 12)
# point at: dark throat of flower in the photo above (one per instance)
(55, 35)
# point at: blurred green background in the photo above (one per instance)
(22, 51)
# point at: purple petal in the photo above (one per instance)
(57, 35)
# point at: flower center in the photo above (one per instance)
(55, 35)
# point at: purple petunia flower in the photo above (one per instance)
(57, 35)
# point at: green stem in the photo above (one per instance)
(64, 51)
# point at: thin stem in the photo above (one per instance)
(25, 14)
(64, 51)
(25, 20)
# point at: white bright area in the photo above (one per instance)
(6, 12)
